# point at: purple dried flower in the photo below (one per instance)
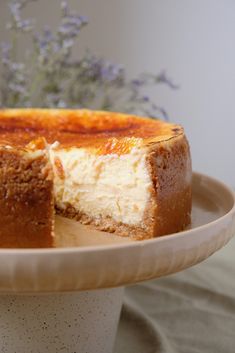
(71, 26)
(84, 20)
(102, 70)
(137, 83)
(27, 25)
(146, 99)
(162, 111)
(109, 72)
(71, 23)
(162, 78)
(47, 34)
(49, 77)
(16, 22)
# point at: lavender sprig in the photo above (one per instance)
(49, 77)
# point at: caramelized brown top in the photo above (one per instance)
(104, 131)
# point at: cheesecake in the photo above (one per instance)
(119, 173)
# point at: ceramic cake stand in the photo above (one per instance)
(69, 299)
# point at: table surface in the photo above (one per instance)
(189, 312)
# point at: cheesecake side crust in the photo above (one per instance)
(171, 202)
(26, 200)
(169, 208)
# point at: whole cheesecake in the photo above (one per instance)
(120, 173)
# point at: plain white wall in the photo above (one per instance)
(193, 40)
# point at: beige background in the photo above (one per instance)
(192, 39)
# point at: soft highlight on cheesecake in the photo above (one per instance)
(119, 173)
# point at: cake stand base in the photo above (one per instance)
(73, 322)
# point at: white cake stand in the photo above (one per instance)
(69, 299)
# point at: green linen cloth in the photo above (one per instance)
(189, 312)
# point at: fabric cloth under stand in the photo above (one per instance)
(189, 312)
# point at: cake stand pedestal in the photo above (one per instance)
(69, 299)
(67, 322)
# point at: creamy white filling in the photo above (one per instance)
(107, 185)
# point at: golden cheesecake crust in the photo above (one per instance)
(104, 132)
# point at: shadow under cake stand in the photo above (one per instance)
(68, 299)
